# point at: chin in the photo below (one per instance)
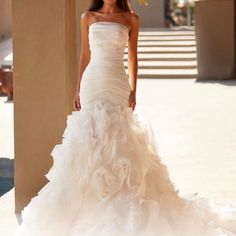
(109, 1)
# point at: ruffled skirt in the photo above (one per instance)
(107, 178)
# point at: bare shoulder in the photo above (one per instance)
(85, 15)
(134, 17)
(134, 14)
(134, 20)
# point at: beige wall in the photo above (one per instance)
(5, 17)
(44, 84)
(151, 15)
(81, 6)
(215, 39)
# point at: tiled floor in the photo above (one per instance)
(194, 124)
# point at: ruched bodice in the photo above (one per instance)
(105, 78)
(107, 42)
(107, 45)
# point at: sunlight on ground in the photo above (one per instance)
(194, 124)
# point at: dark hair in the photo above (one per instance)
(97, 4)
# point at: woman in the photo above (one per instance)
(128, 19)
(107, 178)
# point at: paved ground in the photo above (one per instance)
(6, 146)
(194, 124)
(195, 130)
(8, 221)
(6, 128)
(6, 51)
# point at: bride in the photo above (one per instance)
(107, 178)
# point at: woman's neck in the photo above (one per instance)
(109, 8)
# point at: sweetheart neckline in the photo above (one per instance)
(113, 22)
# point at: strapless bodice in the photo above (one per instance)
(105, 78)
(107, 42)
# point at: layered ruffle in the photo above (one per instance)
(107, 179)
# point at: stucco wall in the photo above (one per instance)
(5, 17)
(215, 36)
(44, 84)
(151, 15)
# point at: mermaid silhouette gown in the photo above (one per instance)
(107, 178)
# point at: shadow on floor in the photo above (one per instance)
(18, 217)
(228, 82)
(6, 175)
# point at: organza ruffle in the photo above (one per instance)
(107, 179)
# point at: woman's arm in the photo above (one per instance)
(133, 58)
(84, 56)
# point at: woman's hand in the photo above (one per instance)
(76, 102)
(132, 100)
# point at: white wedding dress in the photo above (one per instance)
(107, 178)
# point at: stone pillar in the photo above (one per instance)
(215, 37)
(81, 6)
(151, 15)
(5, 18)
(44, 46)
